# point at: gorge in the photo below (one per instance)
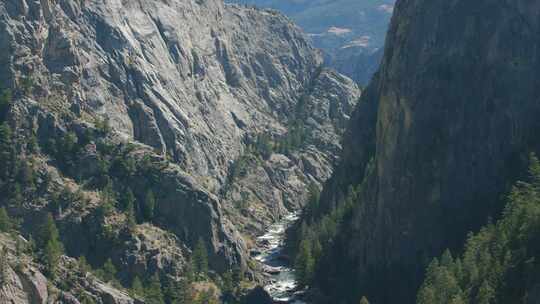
(155, 151)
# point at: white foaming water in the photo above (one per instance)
(282, 286)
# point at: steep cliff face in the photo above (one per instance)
(186, 78)
(185, 87)
(448, 121)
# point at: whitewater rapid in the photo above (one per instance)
(282, 285)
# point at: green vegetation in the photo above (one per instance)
(200, 258)
(137, 288)
(501, 263)
(5, 222)
(109, 271)
(50, 240)
(149, 205)
(177, 292)
(115, 176)
(152, 292)
(84, 267)
(5, 103)
(316, 233)
(313, 240)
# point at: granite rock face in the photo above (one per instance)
(448, 122)
(188, 82)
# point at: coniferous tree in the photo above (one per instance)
(149, 205)
(128, 200)
(137, 287)
(152, 292)
(228, 282)
(53, 250)
(5, 222)
(304, 264)
(5, 151)
(177, 292)
(109, 271)
(500, 262)
(238, 274)
(131, 220)
(17, 198)
(27, 175)
(485, 294)
(189, 271)
(108, 201)
(200, 258)
(5, 102)
(84, 267)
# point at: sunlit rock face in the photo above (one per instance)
(192, 81)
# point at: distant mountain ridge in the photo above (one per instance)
(349, 32)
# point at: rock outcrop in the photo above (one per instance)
(448, 122)
(23, 281)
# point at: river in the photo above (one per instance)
(282, 284)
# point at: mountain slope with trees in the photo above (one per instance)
(148, 142)
(500, 262)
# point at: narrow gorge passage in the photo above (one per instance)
(282, 285)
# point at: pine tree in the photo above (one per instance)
(5, 222)
(53, 252)
(304, 264)
(137, 287)
(485, 293)
(534, 171)
(200, 258)
(426, 295)
(228, 284)
(27, 175)
(5, 102)
(109, 271)
(128, 200)
(131, 220)
(48, 231)
(177, 292)
(5, 150)
(313, 201)
(50, 238)
(149, 205)
(152, 293)
(84, 267)
(17, 198)
(189, 271)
